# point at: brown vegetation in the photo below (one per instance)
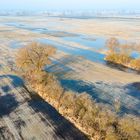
(121, 54)
(97, 121)
(112, 44)
(119, 58)
(135, 63)
(34, 57)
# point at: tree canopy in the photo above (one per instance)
(34, 56)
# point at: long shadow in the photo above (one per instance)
(1, 66)
(121, 67)
(80, 86)
(63, 127)
(77, 85)
(8, 104)
(59, 67)
(105, 96)
(15, 80)
(134, 89)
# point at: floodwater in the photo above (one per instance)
(90, 55)
(92, 41)
(95, 44)
(98, 42)
(93, 51)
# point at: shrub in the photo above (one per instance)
(122, 59)
(52, 87)
(135, 64)
(67, 103)
(34, 57)
(129, 128)
(111, 134)
(112, 44)
(82, 102)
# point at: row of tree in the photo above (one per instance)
(97, 121)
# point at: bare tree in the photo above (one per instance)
(112, 44)
(34, 56)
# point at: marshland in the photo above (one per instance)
(89, 68)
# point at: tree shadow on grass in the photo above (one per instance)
(60, 66)
(106, 94)
(15, 80)
(80, 86)
(63, 127)
(134, 89)
(8, 104)
(121, 67)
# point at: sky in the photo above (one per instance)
(69, 4)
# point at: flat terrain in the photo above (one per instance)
(24, 116)
(124, 28)
(103, 83)
(77, 64)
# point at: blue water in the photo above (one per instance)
(40, 29)
(92, 42)
(135, 54)
(90, 55)
(26, 27)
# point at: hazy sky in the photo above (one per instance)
(69, 4)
